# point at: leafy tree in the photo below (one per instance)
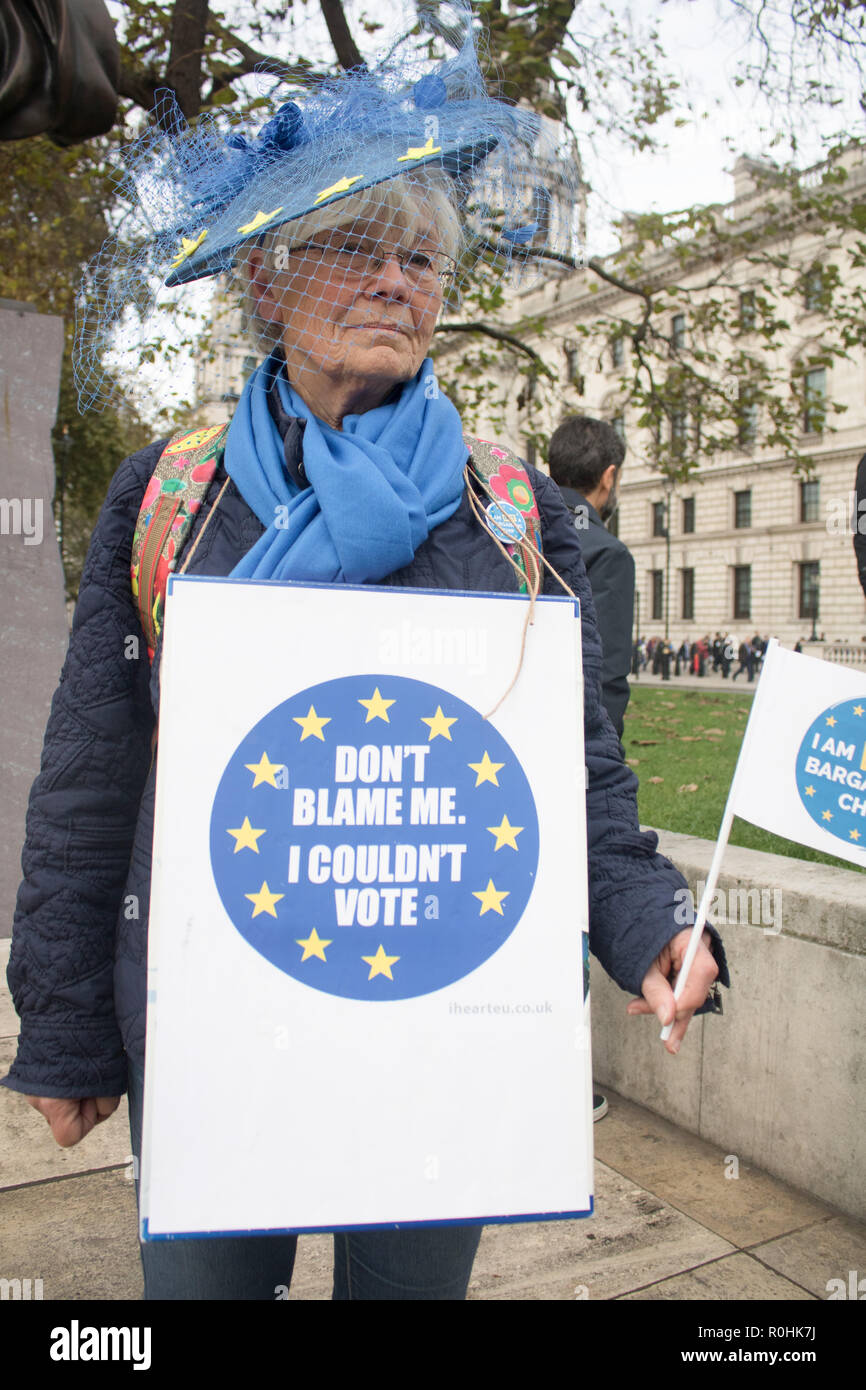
(571, 60)
(54, 218)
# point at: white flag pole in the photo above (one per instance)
(719, 851)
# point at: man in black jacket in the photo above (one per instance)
(585, 457)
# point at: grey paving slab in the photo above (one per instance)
(314, 1269)
(28, 1152)
(77, 1235)
(8, 1018)
(633, 1239)
(737, 1277)
(734, 1199)
(829, 1250)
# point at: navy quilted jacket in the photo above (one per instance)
(77, 968)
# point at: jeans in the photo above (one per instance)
(423, 1262)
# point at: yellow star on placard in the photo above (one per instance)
(855, 834)
(486, 770)
(264, 900)
(265, 771)
(506, 833)
(439, 725)
(858, 709)
(826, 815)
(830, 720)
(380, 964)
(342, 186)
(311, 724)
(187, 246)
(376, 707)
(810, 791)
(246, 837)
(313, 946)
(490, 899)
(419, 151)
(258, 221)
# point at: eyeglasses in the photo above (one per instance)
(359, 259)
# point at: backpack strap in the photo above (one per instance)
(512, 511)
(183, 474)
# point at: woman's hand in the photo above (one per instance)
(72, 1120)
(657, 986)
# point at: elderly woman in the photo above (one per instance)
(343, 463)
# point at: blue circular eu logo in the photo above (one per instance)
(374, 837)
(831, 771)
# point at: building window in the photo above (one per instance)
(572, 367)
(742, 510)
(657, 578)
(612, 522)
(618, 424)
(531, 452)
(688, 595)
(748, 311)
(617, 352)
(814, 392)
(541, 203)
(742, 591)
(688, 514)
(747, 417)
(813, 289)
(810, 584)
(679, 431)
(659, 527)
(678, 331)
(810, 500)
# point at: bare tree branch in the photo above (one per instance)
(185, 62)
(497, 333)
(345, 47)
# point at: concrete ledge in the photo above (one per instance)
(778, 1079)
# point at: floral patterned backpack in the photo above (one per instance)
(188, 465)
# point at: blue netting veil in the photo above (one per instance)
(409, 165)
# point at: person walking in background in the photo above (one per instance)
(585, 458)
(744, 656)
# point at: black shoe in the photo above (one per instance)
(599, 1106)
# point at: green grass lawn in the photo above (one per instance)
(683, 745)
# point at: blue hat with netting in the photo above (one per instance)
(201, 198)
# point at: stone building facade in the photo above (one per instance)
(746, 545)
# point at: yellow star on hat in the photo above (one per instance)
(260, 220)
(341, 186)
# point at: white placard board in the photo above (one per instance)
(367, 961)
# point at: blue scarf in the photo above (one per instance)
(377, 489)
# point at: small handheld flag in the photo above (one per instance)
(801, 772)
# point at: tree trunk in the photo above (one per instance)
(186, 57)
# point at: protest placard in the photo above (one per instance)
(367, 969)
